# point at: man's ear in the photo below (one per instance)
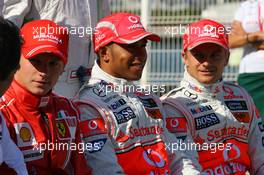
(104, 54)
(184, 57)
(62, 70)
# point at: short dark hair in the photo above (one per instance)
(10, 48)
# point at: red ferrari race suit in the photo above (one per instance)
(222, 119)
(44, 129)
(123, 130)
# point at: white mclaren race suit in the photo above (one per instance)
(80, 18)
(123, 130)
(223, 121)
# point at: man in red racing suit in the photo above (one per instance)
(120, 122)
(221, 116)
(42, 124)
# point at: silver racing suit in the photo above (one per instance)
(123, 130)
(223, 122)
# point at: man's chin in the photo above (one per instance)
(40, 92)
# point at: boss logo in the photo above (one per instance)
(96, 145)
(124, 115)
(206, 121)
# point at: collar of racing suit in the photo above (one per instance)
(24, 97)
(98, 74)
(205, 90)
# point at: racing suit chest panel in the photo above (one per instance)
(30, 131)
(222, 117)
(136, 130)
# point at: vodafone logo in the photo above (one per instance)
(174, 123)
(231, 154)
(92, 125)
(153, 158)
(133, 19)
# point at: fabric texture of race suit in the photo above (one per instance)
(44, 129)
(224, 123)
(80, 17)
(123, 130)
(9, 153)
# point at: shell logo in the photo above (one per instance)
(25, 134)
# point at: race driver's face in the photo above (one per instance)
(125, 60)
(206, 62)
(40, 73)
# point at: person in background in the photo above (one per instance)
(247, 32)
(122, 119)
(80, 17)
(221, 116)
(10, 45)
(39, 121)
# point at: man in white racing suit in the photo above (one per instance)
(221, 116)
(80, 18)
(121, 124)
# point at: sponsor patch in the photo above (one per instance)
(99, 91)
(31, 155)
(200, 109)
(227, 132)
(154, 113)
(62, 114)
(182, 138)
(124, 115)
(62, 129)
(109, 98)
(92, 127)
(117, 104)
(236, 105)
(175, 125)
(206, 121)
(261, 126)
(25, 135)
(148, 102)
(242, 116)
(190, 95)
(145, 131)
(230, 92)
(95, 145)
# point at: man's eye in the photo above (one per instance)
(53, 63)
(198, 56)
(217, 56)
(35, 61)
